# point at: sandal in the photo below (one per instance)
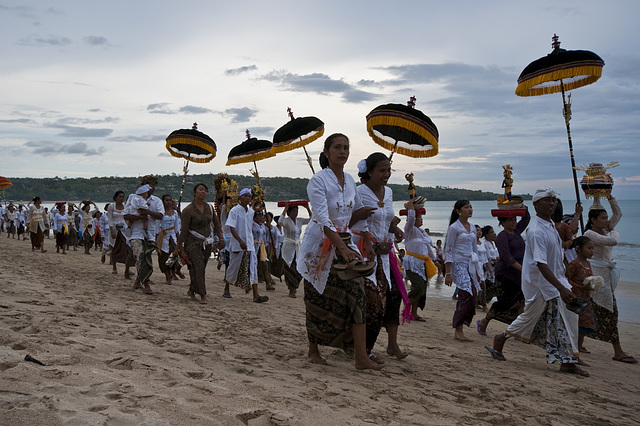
(226, 294)
(626, 359)
(584, 350)
(261, 299)
(495, 354)
(375, 359)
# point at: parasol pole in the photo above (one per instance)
(184, 179)
(566, 112)
(309, 159)
(256, 175)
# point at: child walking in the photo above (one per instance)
(577, 271)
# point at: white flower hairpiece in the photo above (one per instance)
(362, 166)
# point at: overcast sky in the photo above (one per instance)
(94, 88)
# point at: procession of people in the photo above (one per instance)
(346, 256)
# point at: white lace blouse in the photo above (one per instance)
(378, 224)
(332, 206)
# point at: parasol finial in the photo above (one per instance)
(556, 42)
(248, 134)
(195, 126)
(412, 102)
(290, 113)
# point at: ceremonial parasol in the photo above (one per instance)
(4, 184)
(297, 133)
(560, 71)
(192, 145)
(251, 150)
(403, 129)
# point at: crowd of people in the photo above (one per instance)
(347, 256)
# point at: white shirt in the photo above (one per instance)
(226, 233)
(332, 207)
(116, 217)
(378, 224)
(155, 205)
(61, 219)
(241, 220)
(291, 236)
(543, 246)
(460, 243)
(416, 241)
(36, 218)
(169, 224)
(278, 236)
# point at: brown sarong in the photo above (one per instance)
(330, 315)
(120, 250)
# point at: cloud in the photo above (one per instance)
(52, 148)
(76, 120)
(51, 40)
(190, 109)
(262, 132)
(160, 108)
(80, 132)
(18, 121)
(96, 41)
(318, 83)
(240, 115)
(240, 70)
(143, 138)
(163, 108)
(20, 11)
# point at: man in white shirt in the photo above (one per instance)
(141, 246)
(243, 262)
(547, 292)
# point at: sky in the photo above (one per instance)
(94, 88)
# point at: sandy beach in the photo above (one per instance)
(115, 356)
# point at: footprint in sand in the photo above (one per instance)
(120, 363)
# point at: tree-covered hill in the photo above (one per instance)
(276, 188)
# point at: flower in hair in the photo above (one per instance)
(362, 166)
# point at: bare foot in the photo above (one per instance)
(203, 300)
(397, 353)
(461, 337)
(136, 285)
(368, 365)
(581, 362)
(315, 358)
(292, 295)
(498, 342)
(191, 295)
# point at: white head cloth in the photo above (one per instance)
(244, 191)
(545, 191)
(143, 189)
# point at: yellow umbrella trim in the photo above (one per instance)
(286, 146)
(527, 87)
(250, 157)
(405, 124)
(191, 142)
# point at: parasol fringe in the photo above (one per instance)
(526, 86)
(249, 157)
(413, 153)
(203, 145)
(286, 146)
(405, 124)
